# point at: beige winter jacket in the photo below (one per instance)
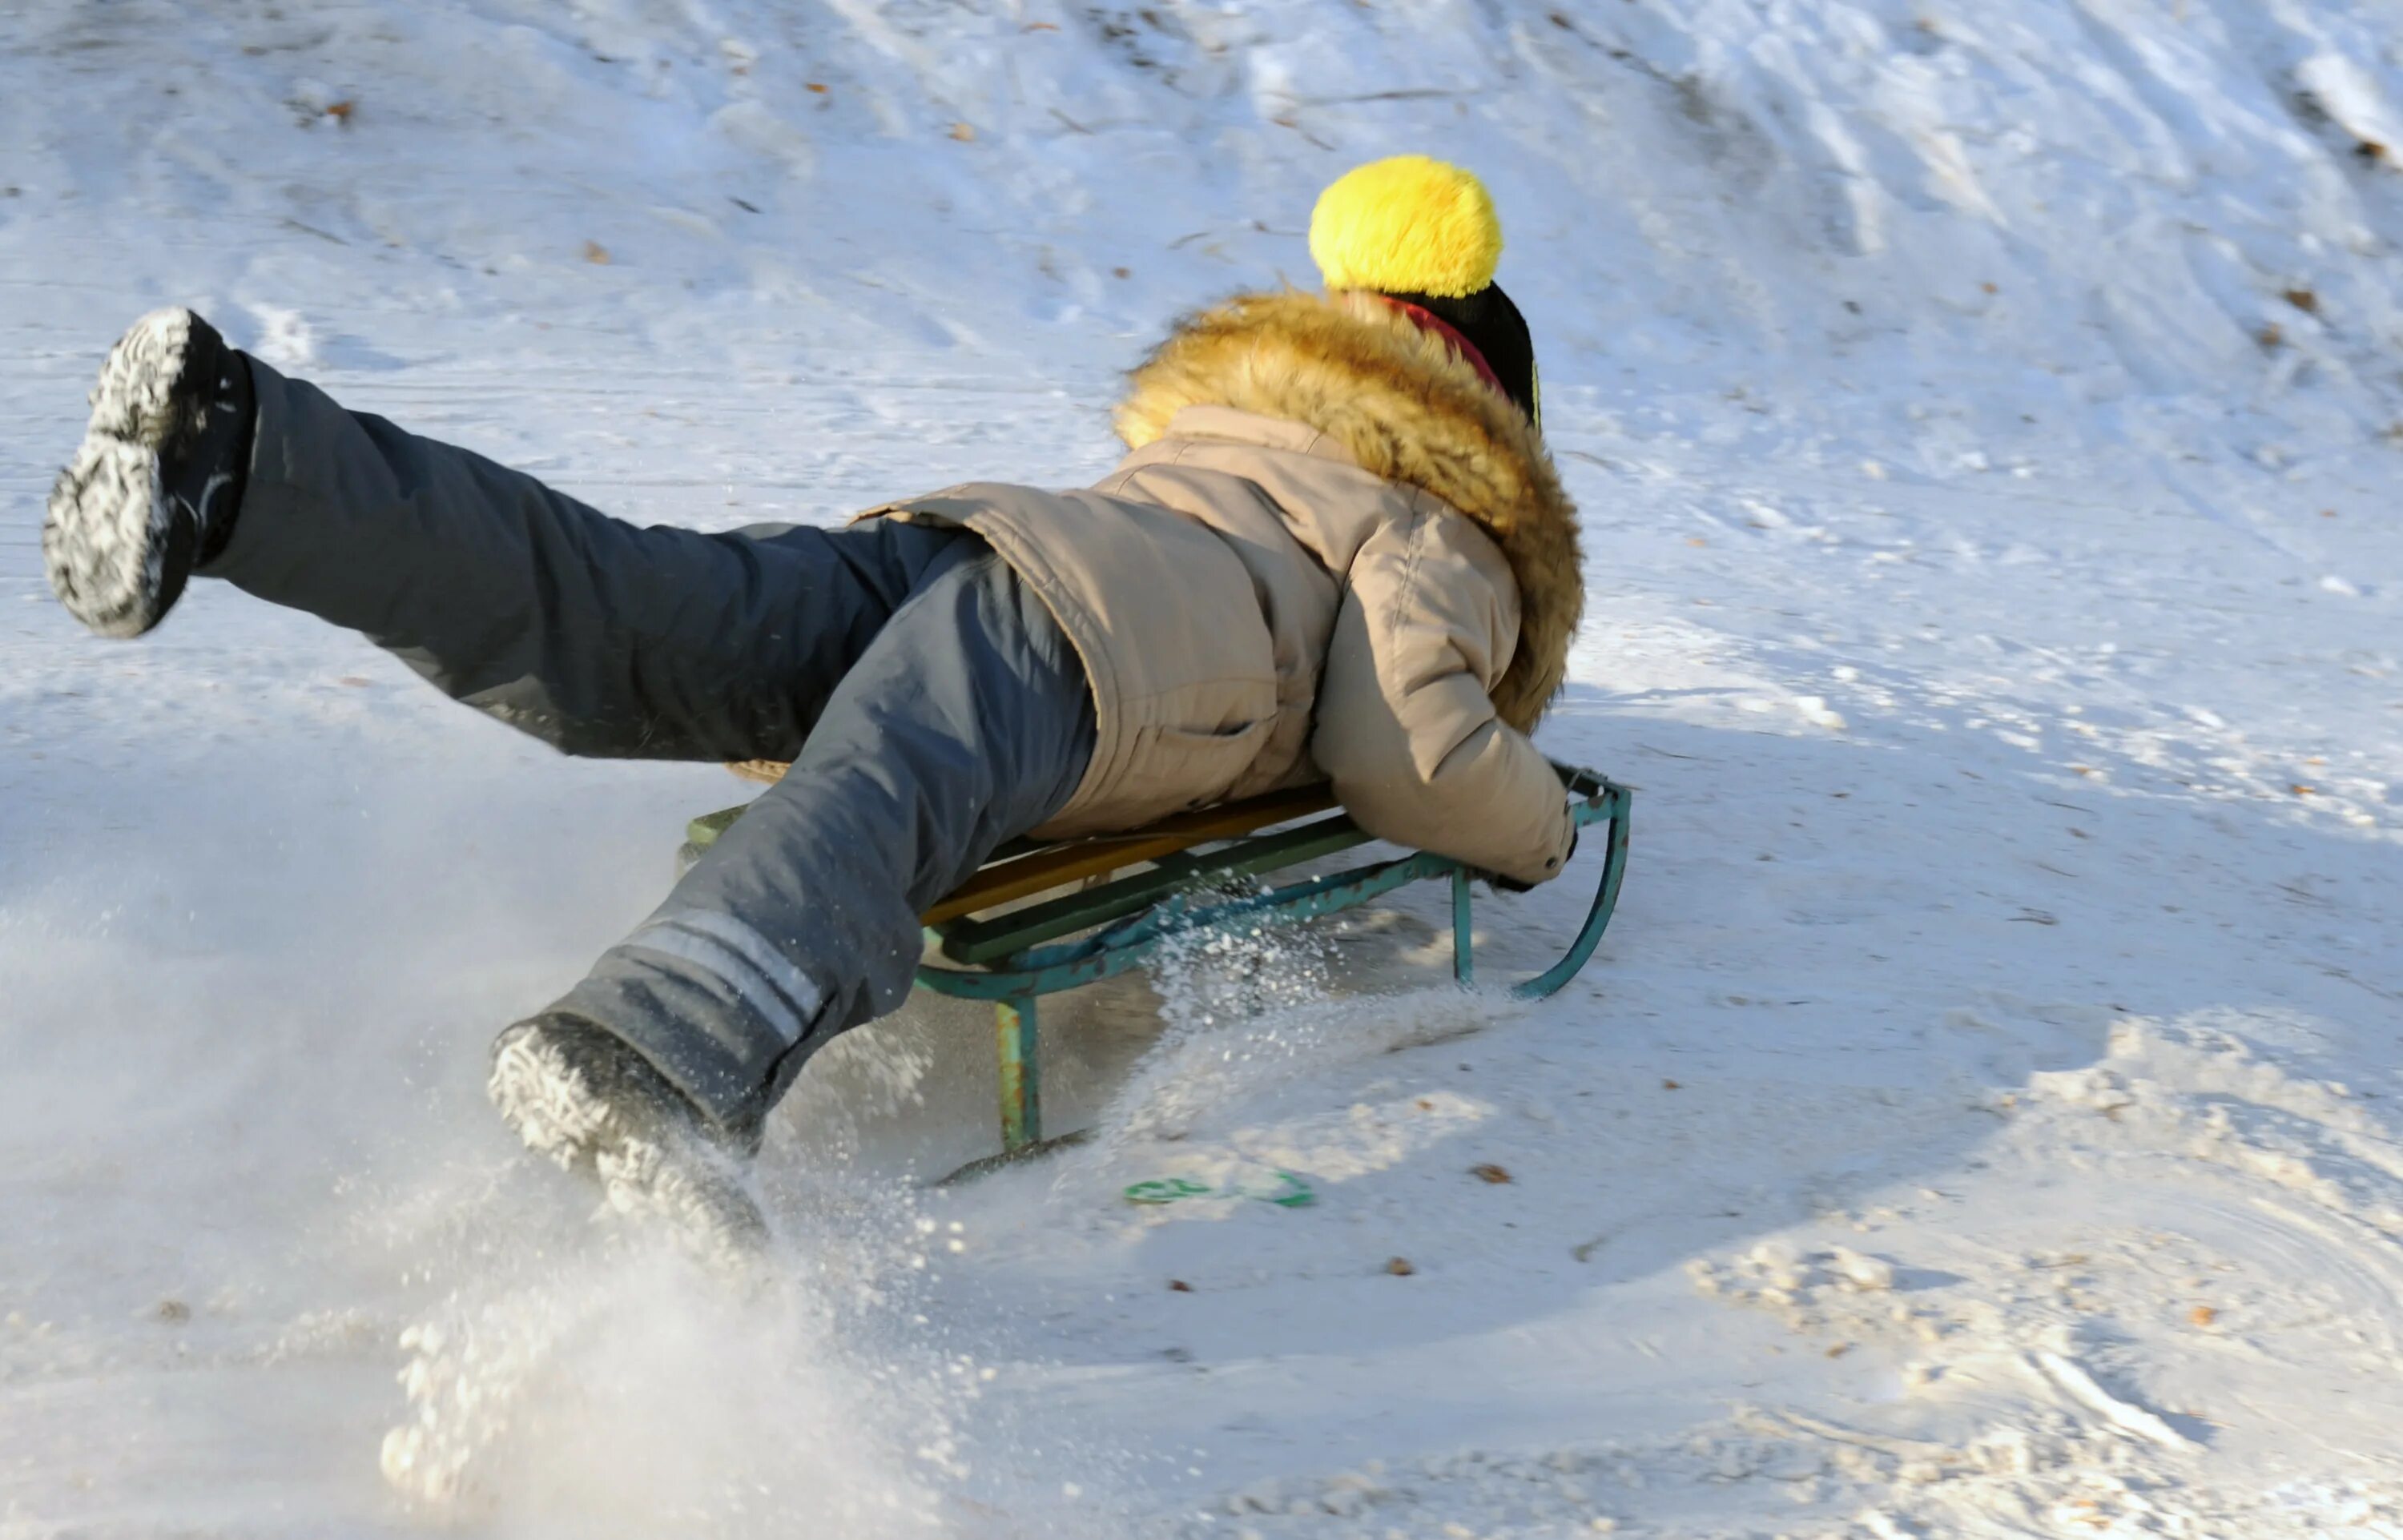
(1334, 554)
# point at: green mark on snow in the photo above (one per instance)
(1287, 1191)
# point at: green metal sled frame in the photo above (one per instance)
(1103, 928)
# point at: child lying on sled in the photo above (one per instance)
(1338, 552)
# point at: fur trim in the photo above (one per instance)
(1407, 409)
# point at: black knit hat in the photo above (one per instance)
(1494, 326)
(1425, 235)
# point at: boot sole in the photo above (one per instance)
(116, 553)
(548, 1103)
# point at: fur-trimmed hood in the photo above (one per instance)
(1406, 409)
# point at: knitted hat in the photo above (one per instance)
(1423, 235)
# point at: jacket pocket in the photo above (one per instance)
(1179, 768)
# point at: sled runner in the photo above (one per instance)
(1193, 873)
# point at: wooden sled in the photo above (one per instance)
(1189, 873)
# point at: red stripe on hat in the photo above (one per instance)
(1428, 320)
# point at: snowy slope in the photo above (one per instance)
(1975, 1124)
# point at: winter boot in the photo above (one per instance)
(577, 1094)
(154, 488)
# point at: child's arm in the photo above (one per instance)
(1405, 729)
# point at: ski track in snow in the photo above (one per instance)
(1979, 1120)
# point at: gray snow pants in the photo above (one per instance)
(930, 704)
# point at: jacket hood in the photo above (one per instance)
(1407, 409)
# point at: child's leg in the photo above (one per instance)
(966, 721)
(595, 635)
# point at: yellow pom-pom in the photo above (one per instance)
(1407, 225)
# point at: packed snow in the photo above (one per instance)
(1986, 418)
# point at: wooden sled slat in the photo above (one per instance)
(1098, 855)
(1021, 871)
